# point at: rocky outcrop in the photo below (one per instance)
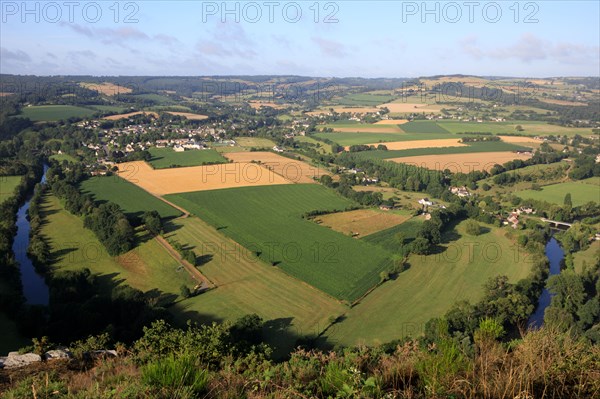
(14, 360)
(56, 354)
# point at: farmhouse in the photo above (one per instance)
(178, 148)
(460, 191)
(425, 202)
(278, 149)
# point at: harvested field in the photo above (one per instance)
(409, 145)
(292, 170)
(106, 88)
(361, 222)
(462, 163)
(123, 116)
(190, 116)
(198, 178)
(411, 107)
(259, 104)
(520, 139)
(392, 122)
(563, 102)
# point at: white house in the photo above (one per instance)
(425, 202)
(178, 148)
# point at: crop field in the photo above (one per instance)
(246, 285)
(348, 139)
(128, 115)
(364, 99)
(530, 128)
(106, 88)
(405, 108)
(197, 178)
(190, 116)
(293, 170)
(259, 104)
(392, 122)
(133, 200)
(412, 144)
(477, 147)
(461, 163)
(167, 158)
(39, 113)
(324, 148)
(268, 221)
(361, 222)
(429, 287)
(148, 267)
(7, 186)
(388, 240)
(256, 142)
(423, 127)
(368, 128)
(581, 193)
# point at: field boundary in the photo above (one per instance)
(205, 282)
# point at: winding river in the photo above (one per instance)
(555, 255)
(35, 289)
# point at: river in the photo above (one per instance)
(555, 254)
(35, 289)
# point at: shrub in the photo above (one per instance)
(473, 228)
(175, 377)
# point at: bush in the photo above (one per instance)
(473, 228)
(175, 377)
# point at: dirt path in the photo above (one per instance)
(180, 209)
(204, 282)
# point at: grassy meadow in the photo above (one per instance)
(7, 186)
(148, 267)
(39, 113)
(429, 287)
(581, 193)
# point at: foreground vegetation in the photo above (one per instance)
(219, 361)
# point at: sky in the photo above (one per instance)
(309, 38)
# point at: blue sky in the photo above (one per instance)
(362, 38)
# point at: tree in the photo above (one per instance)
(185, 291)
(472, 227)
(420, 246)
(567, 201)
(152, 222)
(400, 237)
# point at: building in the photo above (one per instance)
(425, 202)
(178, 148)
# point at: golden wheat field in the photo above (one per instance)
(198, 178)
(124, 116)
(106, 88)
(361, 222)
(190, 116)
(461, 163)
(292, 170)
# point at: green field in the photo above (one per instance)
(55, 112)
(63, 157)
(155, 98)
(7, 186)
(365, 99)
(247, 285)
(429, 287)
(489, 146)
(133, 200)
(148, 267)
(530, 128)
(268, 220)
(166, 157)
(387, 238)
(589, 257)
(423, 127)
(581, 193)
(114, 109)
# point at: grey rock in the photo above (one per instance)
(58, 354)
(14, 360)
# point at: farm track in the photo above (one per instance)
(205, 283)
